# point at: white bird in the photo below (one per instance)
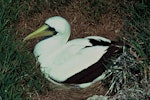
(76, 62)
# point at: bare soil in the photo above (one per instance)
(110, 27)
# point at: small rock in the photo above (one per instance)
(96, 97)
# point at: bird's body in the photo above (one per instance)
(78, 61)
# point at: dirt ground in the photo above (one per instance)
(110, 27)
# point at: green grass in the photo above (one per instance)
(7, 53)
(19, 76)
(138, 30)
(132, 80)
(139, 20)
(18, 73)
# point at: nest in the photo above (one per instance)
(109, 27)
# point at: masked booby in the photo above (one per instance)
(77, 62)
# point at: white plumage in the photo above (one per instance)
(62, 61)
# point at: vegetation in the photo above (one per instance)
(18, 74)
(131, 77)
(20, 77)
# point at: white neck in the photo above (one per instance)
(55, 43)
(51, 44)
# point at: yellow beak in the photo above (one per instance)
(42, 31)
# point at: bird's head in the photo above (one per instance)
(52, 26)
